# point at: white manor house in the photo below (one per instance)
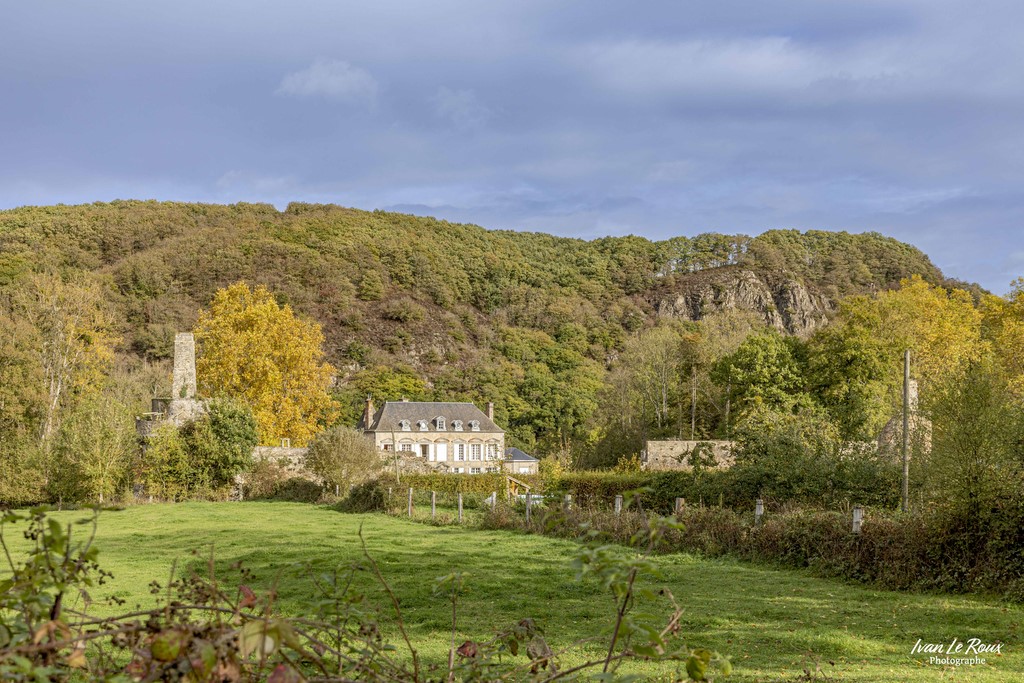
(458, 437)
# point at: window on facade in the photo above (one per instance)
(460, 451)
(474, 451)
(492, 469)
(474, 425)
(439, 422)
(386, 447)
(474, 470)
(458, 470)
(405, 447)
(457, 425)
(422, 424)
(404, 424)
(492, 451)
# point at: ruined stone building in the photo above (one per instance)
(183, 405)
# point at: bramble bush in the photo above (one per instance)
(936, 549)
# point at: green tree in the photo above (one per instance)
(260, 353)
(763, 371)
(165, 468)
(977, 428)
(95, 449)
(850, 372)
(343, 457)
(220, 443)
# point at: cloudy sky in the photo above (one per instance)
(579, 118)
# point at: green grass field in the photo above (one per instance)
(772, 623)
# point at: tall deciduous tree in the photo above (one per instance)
(762, 371)
(1003, 326)
(259, 352)
(856, 363)
(71, 335)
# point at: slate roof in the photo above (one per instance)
(389, 416)
(515, 455)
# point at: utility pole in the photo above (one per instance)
(906, 431)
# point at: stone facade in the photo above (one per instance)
(444, 437)
(678, 455)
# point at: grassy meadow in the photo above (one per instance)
(772, 623)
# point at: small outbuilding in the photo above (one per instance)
(520, 462)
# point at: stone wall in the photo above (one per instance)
(676, 455)
(293, 460)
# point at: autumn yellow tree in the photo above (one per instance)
(1003, 326)
(855, 364)
(70, 332)
(253, 350)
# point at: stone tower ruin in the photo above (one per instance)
(183, 405)
(183, 384)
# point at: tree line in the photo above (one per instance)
(559, 333)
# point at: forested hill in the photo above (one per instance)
(467, 310)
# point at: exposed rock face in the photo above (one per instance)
(787, 306)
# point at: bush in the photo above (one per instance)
(342, 457)
(263, 479)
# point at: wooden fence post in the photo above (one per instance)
(680, 506)
(494, 500)
(410, 501)
(529, 502)
(758, 511)
(460, 506)
(568, 502)
(858, 518)
(433, 504)
(618, 505)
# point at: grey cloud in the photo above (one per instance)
(578, 118)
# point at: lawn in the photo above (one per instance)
(773, 623)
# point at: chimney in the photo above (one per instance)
(368, 412)
(490, 411)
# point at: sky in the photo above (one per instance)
(579, 118)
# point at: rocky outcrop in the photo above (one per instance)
(786, 305)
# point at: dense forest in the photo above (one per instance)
(586, 347)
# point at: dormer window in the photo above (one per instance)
(457, 425)
(474, 426)
(439, 423)
(423, 425)
(404, 424)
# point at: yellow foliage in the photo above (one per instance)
(256, 351)
(1003, 325)
(941, 328)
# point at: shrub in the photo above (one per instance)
(342, 457)
(403, 310)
